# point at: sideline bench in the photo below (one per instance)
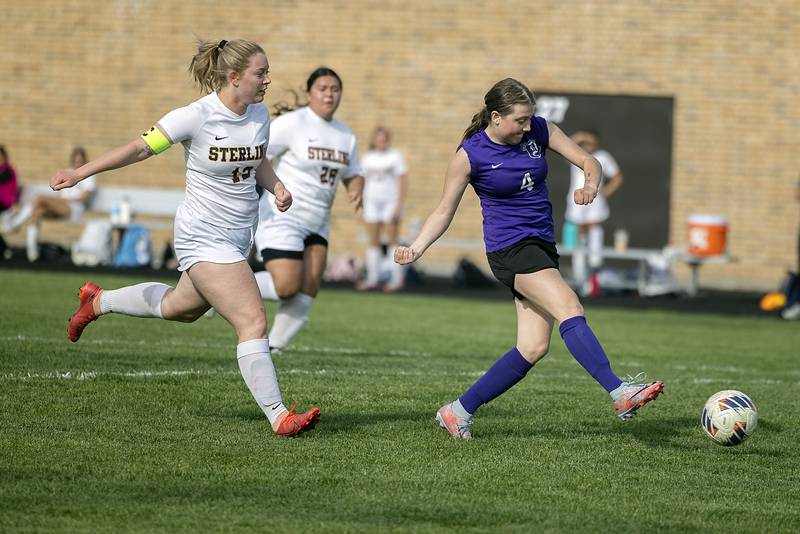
(152, 208)
(671, 254)
(640, 255)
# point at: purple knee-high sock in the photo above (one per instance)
(585, 348)
(504, 373)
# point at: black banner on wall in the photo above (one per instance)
(637, 131)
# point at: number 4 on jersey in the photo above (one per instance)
(527, 182)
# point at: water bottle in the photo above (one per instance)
(115, 213)
(125, 211)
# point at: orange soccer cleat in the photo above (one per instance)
(459, 428)
(85, 313)
(635, 396)
(293, 425)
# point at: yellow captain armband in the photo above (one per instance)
(156, 140)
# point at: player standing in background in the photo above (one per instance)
(385, 184)
(589, 218)
(502, 156)
(224, 137)
(312, 152)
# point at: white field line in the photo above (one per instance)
(90, 375)
(224, 346)
(146, 374)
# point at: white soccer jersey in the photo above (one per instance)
(222, 151)
(382, 170)
(312, 155)
(597, 211)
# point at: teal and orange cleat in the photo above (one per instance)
(634, 396)
(85, 312)
(292, 425)
(459, 428)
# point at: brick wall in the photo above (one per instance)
(99, 73)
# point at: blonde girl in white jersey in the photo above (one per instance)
(312, 152)
(224, 137)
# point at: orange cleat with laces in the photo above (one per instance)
(635, 396)
(292, 424)
(85, 313)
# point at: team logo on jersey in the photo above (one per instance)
(236, 153)
(532, 149)
(328, 154)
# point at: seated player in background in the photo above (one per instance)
(65, 204)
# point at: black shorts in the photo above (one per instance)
(528, 255)
(275, 254)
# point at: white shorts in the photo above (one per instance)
(593, 213)
(287, 234)
(197, 240)
(379, 210)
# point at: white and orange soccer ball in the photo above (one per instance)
(729, 417)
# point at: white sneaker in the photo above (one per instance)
(792, 312)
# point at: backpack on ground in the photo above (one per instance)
(94, 246)
(135, 249)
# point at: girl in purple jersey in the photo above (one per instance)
(502, 156)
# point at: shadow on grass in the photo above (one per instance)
(344, 421)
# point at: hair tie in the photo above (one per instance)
(222, 44)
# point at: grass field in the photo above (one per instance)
(146, 425)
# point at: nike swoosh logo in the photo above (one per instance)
(220, 138)
(495, 166)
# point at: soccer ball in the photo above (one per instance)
(729, 417)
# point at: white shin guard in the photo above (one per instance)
(595, 247)
(255, 365)
(290, 318)
(373, 265)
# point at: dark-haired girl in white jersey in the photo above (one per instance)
(224, 136)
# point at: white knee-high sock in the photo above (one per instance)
(579, 262)
(141, 300)
(21, 217)
(595, 247)
(266, 285)
(373, 265)
(290, 318)
(397, 271)
(32, 242)
(255, 364)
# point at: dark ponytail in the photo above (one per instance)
(479, 121)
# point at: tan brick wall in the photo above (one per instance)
(98, 73)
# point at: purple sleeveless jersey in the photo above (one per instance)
(511, 183)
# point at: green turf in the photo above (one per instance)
(91, 442)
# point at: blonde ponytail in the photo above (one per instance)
(213, 60)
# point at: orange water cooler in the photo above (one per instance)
(707, 235)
